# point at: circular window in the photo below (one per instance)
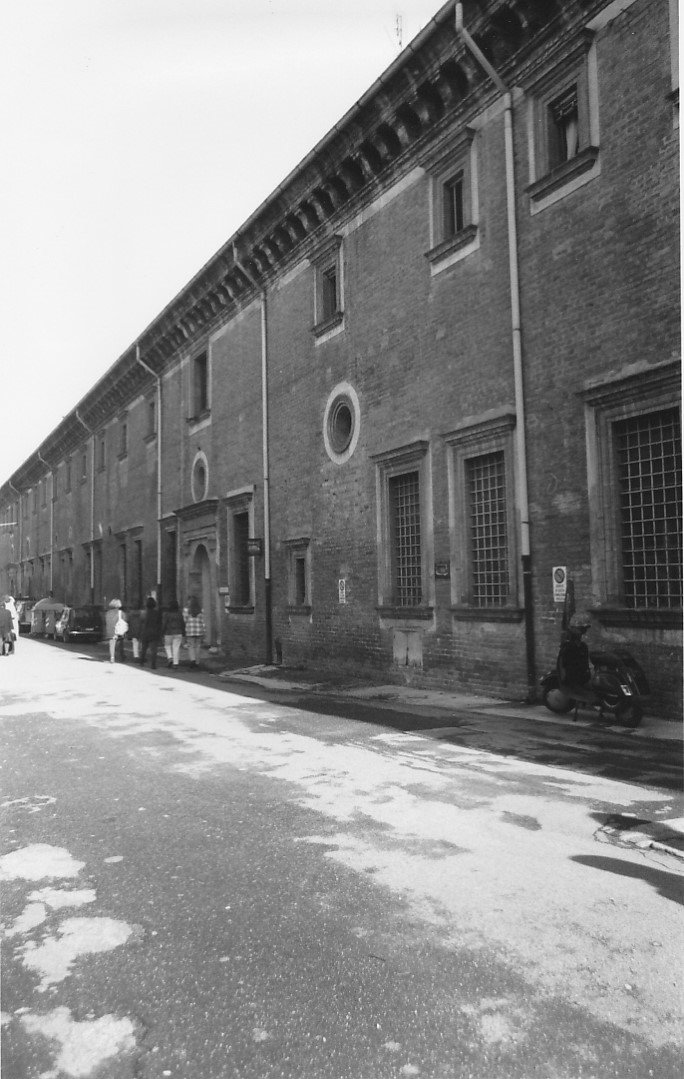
(200, 478)
(341, 423)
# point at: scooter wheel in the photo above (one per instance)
(557, 701)
(628, 714)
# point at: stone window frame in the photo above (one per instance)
(654, 388)
(454, 156)
(412, 457)
(326, 259)
(343, 397)
(551, 181)
(477, 437)
(298, 550)
(236, 503)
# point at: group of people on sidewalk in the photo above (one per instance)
(148, 628)
(9, 626)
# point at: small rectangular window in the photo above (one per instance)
(454, 205)
(123, 440)
(328, 287)
(103, 454)
(67, 476)
(200, 385)
(241, 592)
(299, 574)
(300, 580)
(84, 466)
(563, 119)
(151, 418)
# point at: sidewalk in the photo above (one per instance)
(284, 680)
(625, 830)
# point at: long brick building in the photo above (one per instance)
(438, 363)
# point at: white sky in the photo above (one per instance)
(138, 135)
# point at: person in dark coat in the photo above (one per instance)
(6, 640)
(150, 632)
(134, 631)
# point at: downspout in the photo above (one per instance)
(516, 334)
(92, 506)
(268, 595)
(159, 466)
(19, 560)
(52, 518)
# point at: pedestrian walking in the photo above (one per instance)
(195, 629)
(12, 608)
(150, 632)
(116, 628)
(173, 630)
(134, 630)
(5, 631)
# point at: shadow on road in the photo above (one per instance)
(669, 885)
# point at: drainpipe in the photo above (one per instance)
(268, 596)
(92, 506)
(19, 560)
(159, 466)
(52, 517)
(521, 451)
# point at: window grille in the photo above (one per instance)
(648, 451)
(404, 500)
(486, 487)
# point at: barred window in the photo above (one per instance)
(404, 506)
(487, 512)
(648, 455)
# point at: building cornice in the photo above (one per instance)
(431, 87)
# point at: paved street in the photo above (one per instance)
(202, 883)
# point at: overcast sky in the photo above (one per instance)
(138, 135)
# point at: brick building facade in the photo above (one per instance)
(439, 361)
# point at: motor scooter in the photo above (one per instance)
(618, 686)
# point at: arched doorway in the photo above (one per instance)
(200, 586)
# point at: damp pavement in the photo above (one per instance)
(208, 877)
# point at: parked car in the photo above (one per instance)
(44, 616)
(79, 624)
(24, 607)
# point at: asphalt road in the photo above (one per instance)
(202, 884)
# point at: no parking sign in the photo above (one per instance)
(559, 576)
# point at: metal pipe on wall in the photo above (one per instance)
(516, 336)
(20, 582)
(52, 516)
(92, 505)
(159, 465)
(268, 595)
